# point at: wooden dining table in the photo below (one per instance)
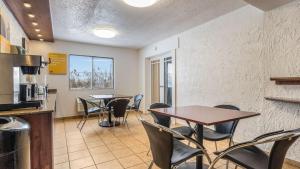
(107, 97)
(202, 115)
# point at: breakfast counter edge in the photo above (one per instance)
(47, 107)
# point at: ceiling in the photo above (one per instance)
(73, 20)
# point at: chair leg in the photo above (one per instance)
(151, 164)
(227, 164)
(84, 122)
(216, 146)
(126, 115)
(148, 152)
(80, 122)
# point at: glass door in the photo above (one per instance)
(162, 77)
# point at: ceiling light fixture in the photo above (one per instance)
(37, 30)
(31, 15)
(140, 3)
(34, 23)
(27, 5)
(39, 35)
(105, 32)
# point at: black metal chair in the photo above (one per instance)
(222, 131)
(117, 108)
(187, 131)
(247, 155)
(135, 105)
(168, 152)
(95, 109)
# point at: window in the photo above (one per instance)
(89, 72)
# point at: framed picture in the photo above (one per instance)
(58, 63)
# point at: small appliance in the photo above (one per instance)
(14, 67)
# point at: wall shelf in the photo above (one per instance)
(283, 99)
(286, 80)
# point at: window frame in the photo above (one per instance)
(92, 88)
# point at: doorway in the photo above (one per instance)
(162, 79)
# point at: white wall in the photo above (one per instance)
(126, 71)
(16, 31)
(230, 60)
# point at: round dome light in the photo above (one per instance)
(105, 32)
(140, 3)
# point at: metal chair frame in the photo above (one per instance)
(199, 146)
(263, 139)
(86, 114)
(107, 107)
(137, 110)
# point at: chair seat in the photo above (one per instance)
(183, 152)
(250, 157)
(94, 110)
(212, 135)
(184, 130)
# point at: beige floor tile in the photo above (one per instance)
(91, 167)
(79, 154)
(61, 159)
(145, 157)
(116, 146)
(110, 148)
(60, 151)
(140, 166)
(103, 157)
(82, 163)
(99, 149)
(139, 148)
(94, 144)
(73, 142)
(125, 152)
(77, 147)
(62, 166)
(130, 161)
(110, 165)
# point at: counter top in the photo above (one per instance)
(48, 106)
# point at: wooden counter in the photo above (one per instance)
(41, 132)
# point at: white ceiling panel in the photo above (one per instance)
(74, 20)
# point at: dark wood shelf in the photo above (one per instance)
(286, 80)
(283, 99)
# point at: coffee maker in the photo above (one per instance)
(18, 83)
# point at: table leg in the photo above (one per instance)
(199, 160)
(109, 122)
(199, 138)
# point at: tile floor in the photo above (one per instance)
(107, 148)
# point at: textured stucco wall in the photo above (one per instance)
(230, 60)
(282, 58)
(221, 62)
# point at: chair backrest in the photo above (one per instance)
(227, 127)
(279, 150)
(161, 145)
(158, 118)
(119, 106)
(137, 101)
(84, 104)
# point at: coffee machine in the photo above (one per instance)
(18, 84)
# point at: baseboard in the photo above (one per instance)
(292, 162)
(73, 117)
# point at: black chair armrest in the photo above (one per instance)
(268, 135)
(279, 135)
